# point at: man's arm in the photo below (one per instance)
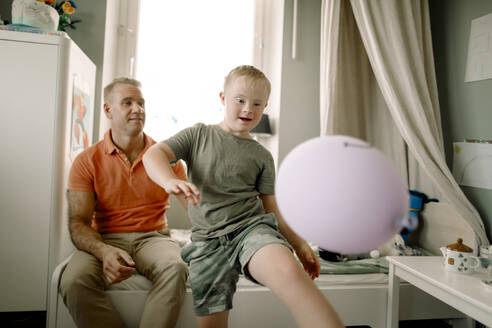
(302, 248)
(81, 206)
(80, 210)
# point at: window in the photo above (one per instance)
(185, 48)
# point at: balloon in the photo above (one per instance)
(341, 194)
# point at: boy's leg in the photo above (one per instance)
(158, 258)
(215, 320)
(274, 266)
(213, 279)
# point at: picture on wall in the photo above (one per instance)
(80, 118)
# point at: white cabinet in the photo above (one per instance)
(37, 73)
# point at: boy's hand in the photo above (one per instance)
(188, 189)
(308, 259)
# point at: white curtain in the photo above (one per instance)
(378, 84)
(351, 102)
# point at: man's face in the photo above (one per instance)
(244, 100)
(126, 109)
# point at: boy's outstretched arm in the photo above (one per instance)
(303, 250)
(156, 161)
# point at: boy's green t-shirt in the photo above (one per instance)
(230, 173)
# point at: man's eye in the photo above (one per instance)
(128, 103)
(141, 104)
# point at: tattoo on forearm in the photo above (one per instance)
(80, 212)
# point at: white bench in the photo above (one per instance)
(358, 299)
(357, 303)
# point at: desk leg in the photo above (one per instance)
(393, 298)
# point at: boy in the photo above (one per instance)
(236, 225)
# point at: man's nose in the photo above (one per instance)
(138, 108)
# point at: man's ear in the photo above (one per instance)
(107, 111)
(222, 97)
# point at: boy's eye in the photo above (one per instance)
(240, 101)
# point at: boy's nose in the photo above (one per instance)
(247, 108)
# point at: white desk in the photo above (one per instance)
(463, 292)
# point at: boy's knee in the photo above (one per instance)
(294, 273)
(290, 272)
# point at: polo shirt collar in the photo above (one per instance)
(110, 147)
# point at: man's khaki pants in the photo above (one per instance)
(156, 256)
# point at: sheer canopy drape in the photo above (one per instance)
(378, 84)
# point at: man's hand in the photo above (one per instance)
(81, 208)
(308, 259)
(117, 264)
(188, 189)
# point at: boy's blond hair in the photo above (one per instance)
(120, 80)
(248, 71)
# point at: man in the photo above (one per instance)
(117, 221)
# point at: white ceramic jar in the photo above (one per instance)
(458, 258)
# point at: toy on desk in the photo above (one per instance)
(417, 201)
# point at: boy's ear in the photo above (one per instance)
(222, 97)
(107, 111)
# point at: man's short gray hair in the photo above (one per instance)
(120, 80)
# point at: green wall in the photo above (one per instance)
(466, 108)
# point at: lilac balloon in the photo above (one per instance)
(341, 194)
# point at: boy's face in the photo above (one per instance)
(245, 100)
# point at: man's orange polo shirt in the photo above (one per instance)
(126, 199)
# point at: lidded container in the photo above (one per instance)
(459, 247)
(458, 257)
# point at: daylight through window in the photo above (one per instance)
(185, 48)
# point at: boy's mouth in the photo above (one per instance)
(245, 119)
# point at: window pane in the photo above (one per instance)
(185, 48)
